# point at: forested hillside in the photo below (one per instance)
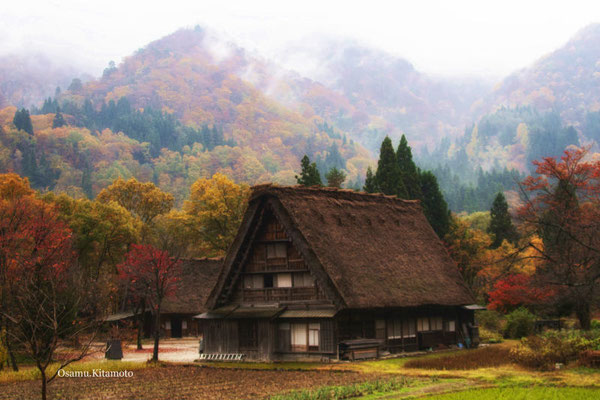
(194, 103)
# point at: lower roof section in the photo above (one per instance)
(234, 311)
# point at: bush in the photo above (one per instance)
(544, 351)
(487, 336)
(519, 323)
(489, 319)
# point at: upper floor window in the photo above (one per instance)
(276, 250)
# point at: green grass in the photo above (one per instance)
(350, 391)
(519, 393)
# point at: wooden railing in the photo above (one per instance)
(281, 294)
(276, 265)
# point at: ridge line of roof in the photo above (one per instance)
(348, 194)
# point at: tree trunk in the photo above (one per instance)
(44, 384)
(583, 315)
(140, 326)
(156, 334)
(139, 332)
(11, 353)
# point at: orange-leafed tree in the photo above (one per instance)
(151, 275)
(561, 205)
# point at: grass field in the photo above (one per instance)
(482, 374)
(517, 393)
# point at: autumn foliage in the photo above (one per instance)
(151, 276)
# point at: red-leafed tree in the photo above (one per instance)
(514, 291)
(43, 303)
(561, 205)
(151, 275)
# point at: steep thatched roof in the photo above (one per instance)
(198, 276)
(377, 251)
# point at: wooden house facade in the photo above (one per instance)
(315, 272)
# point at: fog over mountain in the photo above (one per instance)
(198, 101)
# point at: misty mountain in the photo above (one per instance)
(27, 79)
(388, 95)
(567, 80)
(334, 100)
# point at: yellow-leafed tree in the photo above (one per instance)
(215, 211)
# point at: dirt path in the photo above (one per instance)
(184, 383)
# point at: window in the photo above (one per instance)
(259, 253)
(423, 324)
(299, 336)
(314, 329)
(436, 323)
(283, 337)
(248, 334)
(303, 279)
(253, 282)
(394, 328)
(408, 328)
(277, 250)
(380, 329)
(184, 324)
(451, 326)
(268, 280)
(284, 280)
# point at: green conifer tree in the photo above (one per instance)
(309, 176)
(434, 205)
(370, 184)
(501, 227)
(58, 120)
(387, 176)
(408, 170)
(335, 177)
(22, 121)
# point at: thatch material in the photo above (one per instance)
(198, 277)
(378, 251)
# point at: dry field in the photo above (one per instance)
(184, 382)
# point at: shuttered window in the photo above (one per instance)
(394, 329)
(284, 280)
(408, 328)
(254, 281)
(276, 250)
(423, 324)
(436, 323)
(303, 279)
(314, 336)
(299, 337)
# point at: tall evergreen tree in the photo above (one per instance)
(58, 120)
(309, 176)
(408, 170)
(335, 177)
(501, 227)
(387, 176)
(22, 121)
(434, 205)
(370, 184)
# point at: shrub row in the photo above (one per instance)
(551, 347)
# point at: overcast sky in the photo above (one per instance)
(443, 37)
